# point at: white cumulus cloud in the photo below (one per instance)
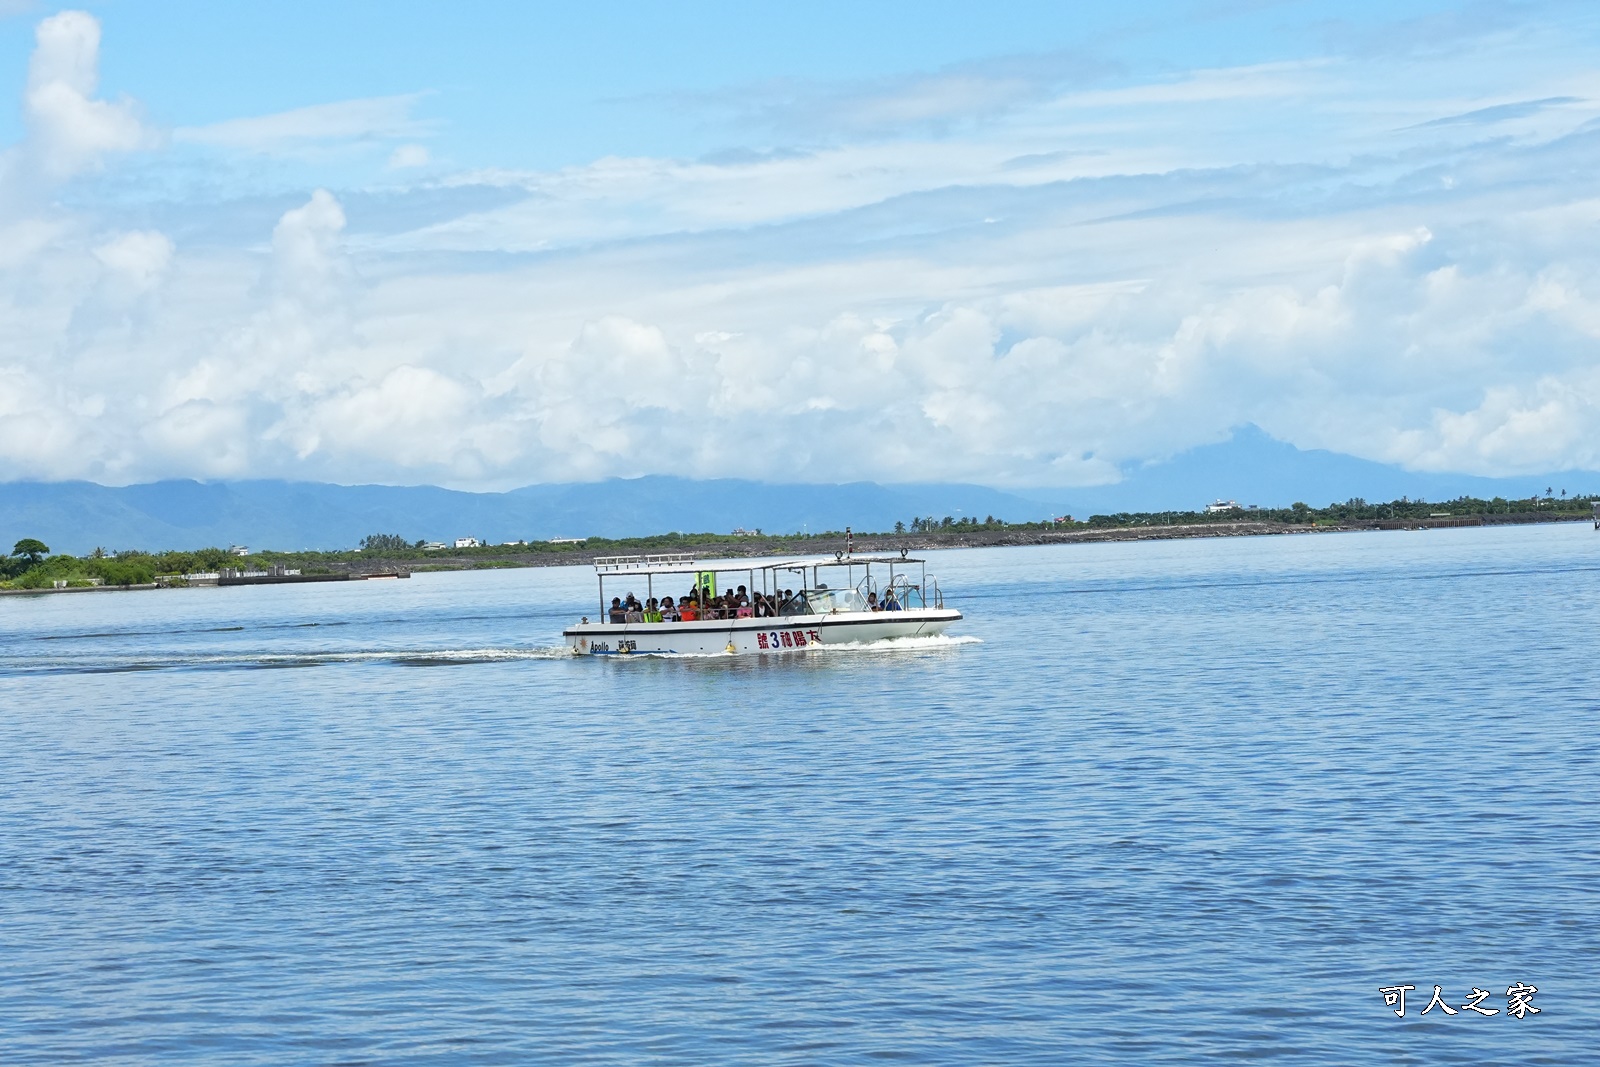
(69, 128)
(141, 256)
(1007, 278)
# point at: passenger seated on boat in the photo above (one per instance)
(635, 612)
(669, 611)
(618, 612)
(688, 610)
(889, 602)
(652, 611)
(872, 602)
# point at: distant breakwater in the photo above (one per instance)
(890, 543)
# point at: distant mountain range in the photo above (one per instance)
(1254, 468)
(77, 516)
(1251, 468)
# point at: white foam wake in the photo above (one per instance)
(410, 657)
(895, 644)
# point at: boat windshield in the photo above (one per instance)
(828, 601)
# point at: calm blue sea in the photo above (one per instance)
(1180, 802)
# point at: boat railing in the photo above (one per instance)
(912, 595)
(608, 564)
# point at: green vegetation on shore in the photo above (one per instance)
(31, 566)
(1359, 510)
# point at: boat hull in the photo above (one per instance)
(788, 634)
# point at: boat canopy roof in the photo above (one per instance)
(685, 563)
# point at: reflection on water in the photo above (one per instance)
(1156, 803)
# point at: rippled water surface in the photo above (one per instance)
(1179, 802)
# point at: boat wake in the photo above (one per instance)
(452, 657)
(424, 657)
(936, 642)
(428, 657)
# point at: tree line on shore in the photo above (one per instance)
(31, 565)
(1357, 509)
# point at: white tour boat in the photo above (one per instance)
(843, 600)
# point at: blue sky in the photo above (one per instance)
(484, 245)
(542, 85)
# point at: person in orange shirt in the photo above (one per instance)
(689, 611)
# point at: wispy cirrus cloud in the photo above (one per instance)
(1449, 30)
(911, 104)
(379, 118)
(1487, 116)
